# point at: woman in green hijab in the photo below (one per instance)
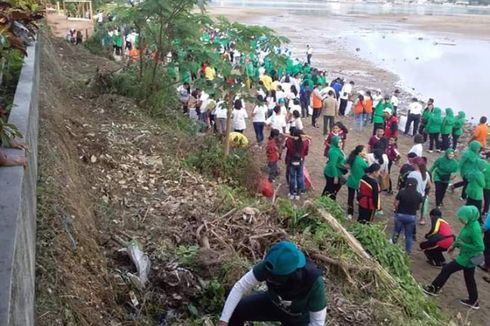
(447, 128)
(442, 171)
(434, 124)
(335, 169)
(458, 128)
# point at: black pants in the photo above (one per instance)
(469, 279)
(378, 125)
(415, 118)
(304, 110)
(445, 142)
(328, 122)
(434, 141)
(315, 115)
(455, 141)
(441, 188)
(308, 58)
(259, 307)
(486, 201)
(423, 132)
(435, 255)
(350, 200)
(463, 183)
(342, 107)
(365, 215)
(486, 241)
(331, 188)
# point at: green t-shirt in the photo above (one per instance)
(311, 300)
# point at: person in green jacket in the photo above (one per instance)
(486, 189)
(470, 243)
(441, 171)
(334, 169)
(458, 128)
(447, 128)
(468, 161)
(476, 184)
(434, 124)
(379, 115)
(357, 163)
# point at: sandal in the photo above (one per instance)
(486, 279)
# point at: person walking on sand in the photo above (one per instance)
(309, 54)
(470, 243)
(334, 169)
(273, 153)
(368, 108)
(442, 171)
(345, 93)
(438, 240)
(368, 195)
(359, 113)
(239, 114)
(407, 203)
(486, 190)
(329, 112)
(458, 129)
(447, 129)
(259, 114)
(295, 292)
(316, 104)
(414, 116)
(296, 151)
(378, 141)
(357, 164)
(476, 184)
(395, 101)
(467, 162)
(425, 118)
(391, 124)
(417, 147)
(379, 111)
(422, 176)
(434, 124)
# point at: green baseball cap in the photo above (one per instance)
(283, 258)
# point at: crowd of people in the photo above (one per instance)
(287, 95)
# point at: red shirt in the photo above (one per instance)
(272, 151)
(290, 149)
(391, 127)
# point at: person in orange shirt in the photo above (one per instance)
(316, 104)
(481, 132)
(134, 54)
(368, 107)
(359, 113)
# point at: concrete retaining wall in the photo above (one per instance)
(18, 204)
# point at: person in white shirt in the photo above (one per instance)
(378, 97)
(417, 148)
(277, 120)
(377, 156)
(280, 94)
(295, 121)
(395, 101)
(309, 54)
(221, 113)
(423, 181)
(345, 93)
(414, 115)
(259, 114)
(239, 115)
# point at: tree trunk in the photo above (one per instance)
(228, 124)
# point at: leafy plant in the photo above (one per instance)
(8, 132)
(186, 254)
(331, 206)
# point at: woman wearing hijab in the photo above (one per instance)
(407, 203)
(447, 128)
(442, 171)
(368, 194)
(334, 169)
(458, 128)
(470, 244)
(434, 124)
(295, 292)
(357, 163)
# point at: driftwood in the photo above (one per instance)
(359, 249)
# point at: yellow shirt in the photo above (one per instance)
(238, 139)
(267, 81)
(209, 73)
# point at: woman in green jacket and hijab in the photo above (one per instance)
(470, 244)
(458, 128)
(476, 184)
(442, 171)
(447, 128)
(434, 124)
(358, 163)
(335, 169)
(469, 160)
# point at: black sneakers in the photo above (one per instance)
(472, 305)
(430, 290)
